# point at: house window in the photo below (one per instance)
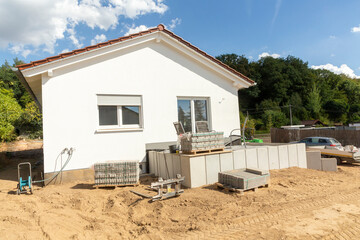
(119, 111)
(191, 110)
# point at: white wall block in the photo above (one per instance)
(301, 151)
(283, 156)
(161, 164)
(273, 154)
(293, 156)
(212, 163)
(198, 172)
(169, 165)
(156, 164)
(251, 158)
(226, 162)
(151, 162)
(176, 164)
(239, 159)
(186, 171)
(263, 158)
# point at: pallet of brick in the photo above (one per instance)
(119, 173)
(244, 179)
(197, 142)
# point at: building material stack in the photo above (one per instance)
(193, 142)
(245, 178)
(116, 173)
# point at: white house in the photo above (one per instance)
(108, 100)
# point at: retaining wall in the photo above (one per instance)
(203, 169)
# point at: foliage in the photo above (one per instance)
(10, 111)
(18, 112)
(281, 82)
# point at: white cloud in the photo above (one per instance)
(266, 54)
(98, 39)
(41, 23)
(20, 49)
(65, 50)
(343, 69)
(355, 29)
(332, 37)
(135, 29)
(174, 23)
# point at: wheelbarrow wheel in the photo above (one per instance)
(18, 191)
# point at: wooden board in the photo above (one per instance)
(333, 152)
(114, 186)
(238, 190)
(204, 151)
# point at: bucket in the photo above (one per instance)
(173, 148)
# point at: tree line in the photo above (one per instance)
(18, 112)
(281, 82)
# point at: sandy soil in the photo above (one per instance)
(299, 204)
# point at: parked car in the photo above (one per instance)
(321, 141)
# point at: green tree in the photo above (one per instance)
(314, 102)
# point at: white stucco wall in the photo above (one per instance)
(154, 70)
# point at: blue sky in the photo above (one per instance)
(325, 33)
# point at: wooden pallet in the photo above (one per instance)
(202, 151)
(237, 190)
(115, 185)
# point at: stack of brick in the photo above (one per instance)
(117, 173)
(244, 178)
(202, 141)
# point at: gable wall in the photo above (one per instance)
(153, 70)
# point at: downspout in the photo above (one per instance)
(26, 85)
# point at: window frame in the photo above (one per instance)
(120, 126)
(192, 110)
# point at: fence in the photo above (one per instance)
(345, 136)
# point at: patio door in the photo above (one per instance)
(191, 110)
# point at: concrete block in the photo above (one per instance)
(198, 172)
(156, 166)
(151, 162)
(263, 158)
(193, 169)
(293, 156)
(313, 159)
(239, 159)
(212, 163)
(226, 162)
(273, 154)
(329, 164)
(169, 165)
(185, 171)
(283, 156)
(251, 158)
(176, 164)
(301, 151)
(161, 164)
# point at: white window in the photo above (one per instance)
(119, 111)
(191, 110)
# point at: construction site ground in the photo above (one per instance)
(298, 204)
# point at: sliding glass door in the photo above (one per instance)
(191, 110)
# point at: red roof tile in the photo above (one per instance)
(160, 27)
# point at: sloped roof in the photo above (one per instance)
(312, 122)
(160, 27)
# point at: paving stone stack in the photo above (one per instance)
(244, 178)
(117, 173)
(202, 141)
